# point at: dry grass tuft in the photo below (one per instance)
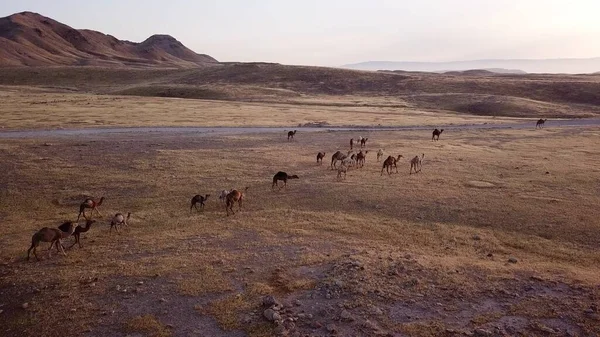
(207, 280)
(149, 325)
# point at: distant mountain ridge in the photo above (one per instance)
(30, 39)
(560, 65)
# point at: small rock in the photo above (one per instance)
(297, 303)
(547, 172)
(370, 325)
(25, 305)
(316, 325)
(490, 255)
(271, 315)
(140, 283)
(546, 329)
(246, 319)
(331, 328)
(482, 332)
(163, 300)
(376, 311)
(269, 301)
(280, 330)
(47, 144)
(513, 259)
(346, 316)
(1, 311)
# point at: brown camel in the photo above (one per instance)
(78, 230)
(233, 197)
(90, 203)
(436, 133)
(540, 123)
(282, 176)
(52, 235)
(389, 162)
(320, 157)
(198, 199)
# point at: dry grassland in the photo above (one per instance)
(34, 108)
(402, 255)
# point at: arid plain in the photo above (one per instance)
(497, 236)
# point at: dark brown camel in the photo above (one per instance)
(198, 199)
(436, 133)
(361, 157)
(291, 134)
(320, 157)
(540, 123)
(282, 176)
(78, 230)
(89, 203)
(389, 162)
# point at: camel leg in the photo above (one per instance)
(60, 248)
(29, 251)
(35, 253)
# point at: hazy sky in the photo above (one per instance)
(333, 32)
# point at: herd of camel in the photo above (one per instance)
(229, 197)
(68, 228)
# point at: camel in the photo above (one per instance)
(89, 203)
(52, 235)
(363, 142)
(282, 176)
(436, 133)
(416, 163)
(361, 157)
(351, 143)
(232, 197)
(78, 230)
(117, 220)
(320, 157)
(342, 169)
(379, 154)
(389, 162)
(198, 199)
(540, 123)
(338, 156)
(291, 134)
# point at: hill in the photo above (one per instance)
(566, 66)
(529, 95)
(30, 39)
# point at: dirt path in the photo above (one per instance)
(221, 131)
